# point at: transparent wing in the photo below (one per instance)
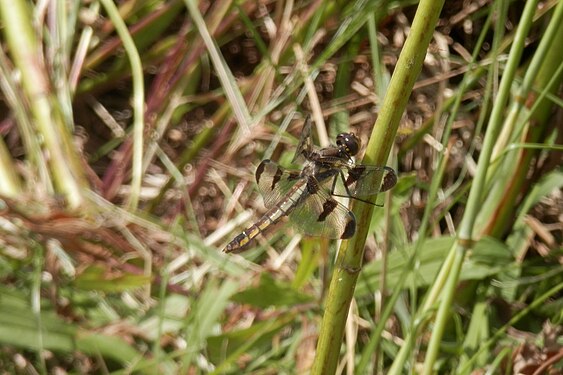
(318, 214)
(274, 182)
(314, 212)
(305, 146)
(359, 181)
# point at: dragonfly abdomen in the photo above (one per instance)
(270, 218)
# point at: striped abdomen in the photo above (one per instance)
(271, 217)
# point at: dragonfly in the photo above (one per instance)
(306, 196)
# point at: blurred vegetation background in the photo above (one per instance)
(130, 135)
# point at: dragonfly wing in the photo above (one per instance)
(305, 146)
(274, 182)
(359, 181)
(316, 213)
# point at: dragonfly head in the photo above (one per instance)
(348, 143)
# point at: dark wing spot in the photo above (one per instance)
(260, 170)
(312, 186)
(293, 175)
(354, 175)
(276, 178)
(328, 207)
(389, 180)
(350, 228)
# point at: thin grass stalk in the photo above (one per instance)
(465, 236)
(62, 17)
(355, 17)
(421, 316)
(114, 175)
(82, 50)
(340, 121)
(381, 82)
(38, 263)
(380, 74)
(349, 259)
(381, 294)
(472, 78)
(495, 123)
(64, 163)
(513, 166)
(552, 32)
(224, 74)
(138, 101)
(176, 74)
(514, 320)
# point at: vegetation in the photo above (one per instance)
(131, 131)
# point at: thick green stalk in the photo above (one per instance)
(349, 260)
(465, 236)
(64, 163)
(9, 183)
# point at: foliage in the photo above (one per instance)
(130, 136)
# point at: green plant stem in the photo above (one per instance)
(349, 260)
(465, 236)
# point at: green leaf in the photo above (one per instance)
(488, 257)
(310, 257)
(477, 333)
(204, 319)
(271, 293)
(96, 278)
(551, 182)
(170, 321)
(226, 348)
(22, 328)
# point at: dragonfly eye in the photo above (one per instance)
(349, 142)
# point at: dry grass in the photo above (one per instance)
(111, 262)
